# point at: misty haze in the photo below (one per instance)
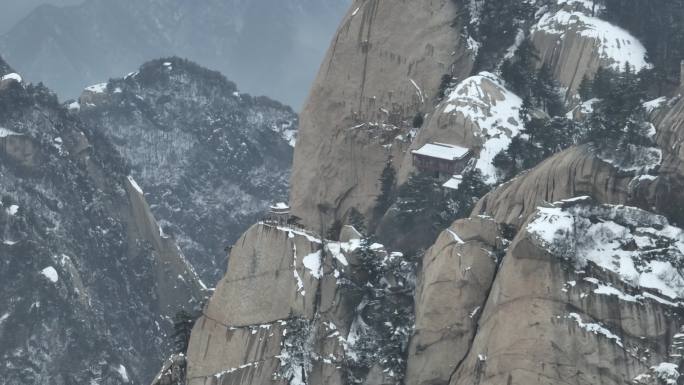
(341, 192)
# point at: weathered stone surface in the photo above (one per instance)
(571, 57)
(270, 259)
(527, 334)
(571, 173)
(170, 262)
(228, 353)
(457, 275)
(240, 337)
(384, 66)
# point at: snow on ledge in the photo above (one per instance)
(13, 76)
(667, 373)
(595, 328)
(484, 100)
(5, 133)
(123, 373)
(135, 185)
(614, 44)
(312, 262)
(640, 247)
(12, 210)
(97, 88)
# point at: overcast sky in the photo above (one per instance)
(11, 11)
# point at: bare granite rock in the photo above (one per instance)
(383, 68)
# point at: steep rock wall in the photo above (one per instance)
(574, 43)
(279, 284)
(547, 317)
(458, 272)
(384, 66)
(669, 185)
(90, 283)
(574, 172)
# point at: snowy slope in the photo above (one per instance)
(87, 295)
(615, 45)
(643, 249)
(484, 101)
(209, 159)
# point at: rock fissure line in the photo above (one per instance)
(477, 323)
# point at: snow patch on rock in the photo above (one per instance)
(12, 76)
(633, 158)
(12, 210)
(135, 185)
(667, 373)
(640, 247)
(654, 104)
(313, 263)
(123, 373)
(50, 273)
(97, 88)
(615, 45)
(5, 133)
(595, 328)
(484, 100)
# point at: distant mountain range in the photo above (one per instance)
(209, 159)
(270, 47)
(89, 283)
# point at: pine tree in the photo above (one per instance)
(182, 326)
(585, 89)
(357, 220)
(460, 202)
(387, 186)
(519, 71)
(619, 116)
(538, 88)
(419, 196)
(545, 91)
(383, 323)
(602, 86)
(497, 28)
(659, 24)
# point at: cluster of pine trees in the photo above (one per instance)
(423, 199)
(618, 116)
(385, 285)
(537, 87)
(546, 129)
(495, 24)
(659, 25)
(617, 122)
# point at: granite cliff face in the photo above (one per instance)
(588, 307)
(90, 283)
(575, 42)
(570, 272)
(305, 311)
(384, 67)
